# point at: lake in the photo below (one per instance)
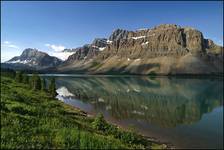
(186, 112)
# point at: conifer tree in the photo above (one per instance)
(43, 85)
(36, 82)
(19, 76)
(31, 81)
(25, 79)
(8, 72)
(52, 88)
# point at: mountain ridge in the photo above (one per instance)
(165, 49)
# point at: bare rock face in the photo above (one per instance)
(32, 58)
(194, 40)
(119, 34)
(88, 51)
(162, 40)
(99, 42)
(164, 49)
(80, 53)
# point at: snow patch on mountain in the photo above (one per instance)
(145, 43)
(101, 48)
(137, 60)
(109, 42)
(95, 46)
(137, 37)
(141, 29)
(19, 61)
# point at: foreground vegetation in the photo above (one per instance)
(32, 118)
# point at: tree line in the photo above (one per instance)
(34, 81)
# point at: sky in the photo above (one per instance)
(52, 26)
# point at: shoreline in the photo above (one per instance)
(184, 76)
(165, 145)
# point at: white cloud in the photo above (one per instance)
(9, 45)
(62, 55)
(6, 42)
(12, 46)
(56, 48)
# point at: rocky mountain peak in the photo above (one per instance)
(99, 42)
(118, 34)
(35, 59)
(164, 49)
(30, 52)
(167, 26)
(27, 50)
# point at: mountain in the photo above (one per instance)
(32, 59)
(164, 49)
(85, 53)
(88, 51)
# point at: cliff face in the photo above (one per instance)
(162, 40)
(164, 49)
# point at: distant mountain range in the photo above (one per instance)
(165, 49)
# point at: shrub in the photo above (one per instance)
(99, 123)
(129, 137)
(111, 129)
(22, 111)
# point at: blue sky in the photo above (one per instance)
(51, 26)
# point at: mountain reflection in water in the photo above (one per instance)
(165, 102)
(170, 106)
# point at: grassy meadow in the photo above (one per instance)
(33, 119)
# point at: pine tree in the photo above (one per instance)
(32, 81)
(52, 88)
(19, 76)
(25, 79)
(8, 72)
(43, 85)
(36, 82)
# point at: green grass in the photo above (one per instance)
(32, 119)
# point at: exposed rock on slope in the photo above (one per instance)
(33, 59)
(164, 49)
(87, 52)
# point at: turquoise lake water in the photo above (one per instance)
(186, 112)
